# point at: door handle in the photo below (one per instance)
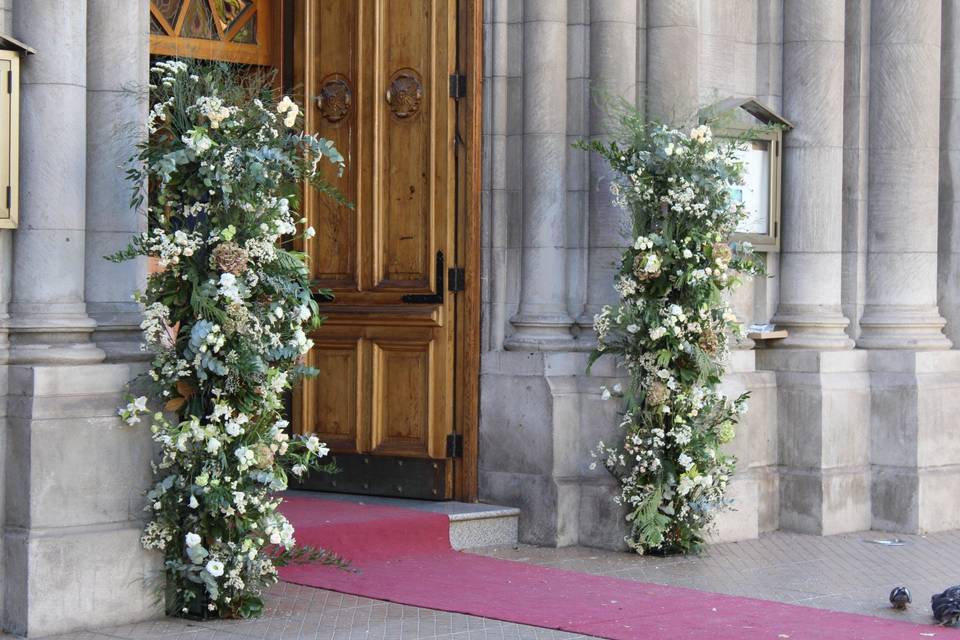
(430, 298)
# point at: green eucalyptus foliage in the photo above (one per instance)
(670, 328)
(226, 319)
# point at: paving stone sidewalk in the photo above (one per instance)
(842, 573)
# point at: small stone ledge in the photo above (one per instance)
(472, 525)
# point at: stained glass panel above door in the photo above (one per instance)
(230, 30)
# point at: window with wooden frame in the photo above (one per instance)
(239, 31)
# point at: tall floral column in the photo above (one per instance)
(669, 330)
(225, 323)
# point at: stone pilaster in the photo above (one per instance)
(542, 322)
(117, 103)
(915, 391)
(948, 289)
(824, 410)
(613, 77)
(810, 255)
(673, 78)
(74, 484)
(754, 487)
(74, 474)
(530, 449)
(856, 112)
(900, 309)
(49, 322)
(501, 86)
(914, 447)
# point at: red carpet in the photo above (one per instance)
(404, 556)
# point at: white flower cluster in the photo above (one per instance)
(290, 109)
(213, 109)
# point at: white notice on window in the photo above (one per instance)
(754, 193)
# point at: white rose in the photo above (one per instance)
(284, 105)
(215, 568)
(192, 539)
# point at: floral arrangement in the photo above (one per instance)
(670, 329)
(226, 320)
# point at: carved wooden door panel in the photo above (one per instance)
(377, 80)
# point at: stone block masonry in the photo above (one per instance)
(852, 421)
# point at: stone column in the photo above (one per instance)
(811, 245)
(49, 322)
(948, 288)
(542, 322)
(900, 310)
(915, 378)
(673, 78)
(613, 76)
(823, 386)
(117, 103)
(75, 475)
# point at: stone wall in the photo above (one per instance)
(73, 474)
(851, 423)
(551, 238)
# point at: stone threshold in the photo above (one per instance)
(473, 525)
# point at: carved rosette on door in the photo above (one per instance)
(334, 98)
(405, 93)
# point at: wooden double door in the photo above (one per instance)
(385, 80)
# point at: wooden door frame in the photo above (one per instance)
(469, 150)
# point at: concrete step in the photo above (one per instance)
(472, 525)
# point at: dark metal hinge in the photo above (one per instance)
(456, 279)
(9, 81)
(458, 86)
(455, 445)
(9, 197)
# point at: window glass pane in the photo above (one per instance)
(170, 9)
(226, 12)
(754, 193)
(156, 28)
(248, 33)
(198, 22)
